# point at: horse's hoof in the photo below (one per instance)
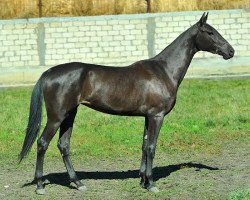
(46, 181)
(153, 189)
(82, 188)
(40, 191)
(143, 185)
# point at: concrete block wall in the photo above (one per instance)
(30, 46)
(95, 41)
(18, 45)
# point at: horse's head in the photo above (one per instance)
(209, 39)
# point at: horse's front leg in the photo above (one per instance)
(154, 126)
(144, 155)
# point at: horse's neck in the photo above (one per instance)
(178, 55)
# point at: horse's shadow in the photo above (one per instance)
(159, 172)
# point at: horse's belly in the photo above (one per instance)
(112, 104)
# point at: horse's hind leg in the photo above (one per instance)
(64, 147)
(42, 145)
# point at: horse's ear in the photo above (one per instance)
(203, 19)
(207, 14)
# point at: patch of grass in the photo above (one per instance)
(207, 113)
(240, 195)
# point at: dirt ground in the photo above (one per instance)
(181, 176)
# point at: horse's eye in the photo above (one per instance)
(210, 33)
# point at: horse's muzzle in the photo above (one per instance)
(227, 51)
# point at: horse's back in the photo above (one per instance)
(131, 90)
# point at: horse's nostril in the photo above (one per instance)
(231, 52)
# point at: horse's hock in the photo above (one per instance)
(30, 46)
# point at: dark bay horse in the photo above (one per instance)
(146, 88)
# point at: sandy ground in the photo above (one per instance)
(182, 176)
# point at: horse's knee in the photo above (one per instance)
(151, 151)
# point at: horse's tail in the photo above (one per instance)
(35, 118)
